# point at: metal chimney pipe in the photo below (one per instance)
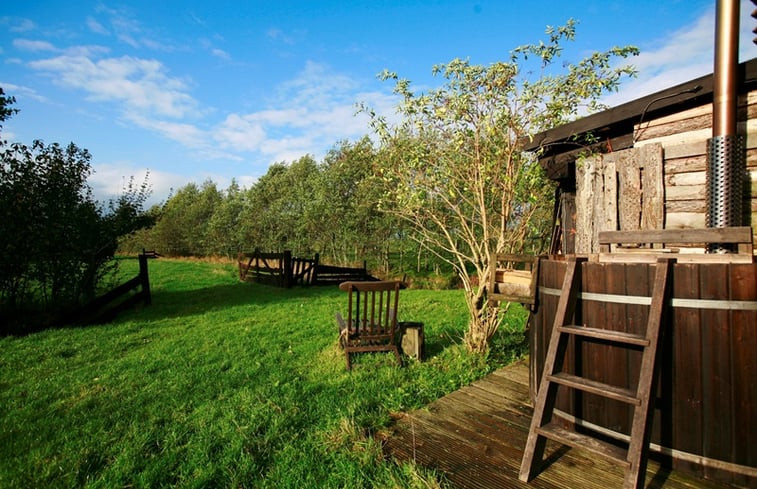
(725, 150)
(725, 95)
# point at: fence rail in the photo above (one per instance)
(102, 308)
(284, 270)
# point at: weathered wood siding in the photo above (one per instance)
(706, 415)
(683, 137)
(661, 182)
(618, 191)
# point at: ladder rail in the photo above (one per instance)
(639, 432)
(634, 459)
(546, 396)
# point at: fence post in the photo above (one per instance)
(144, 279)
(256, 256)
(287, 268)
(314, 270)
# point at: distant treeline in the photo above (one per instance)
(333, 207)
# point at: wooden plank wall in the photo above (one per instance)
(622, 190)
(684, 138)
(706, 397)
(661, 182)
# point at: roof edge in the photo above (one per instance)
(697, 90)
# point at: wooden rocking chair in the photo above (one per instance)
(371, 318)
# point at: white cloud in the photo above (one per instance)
(188, 135)
(142, 85)
(15, 24)
(246, 181)
(126, 28)
(87, 51)
(683, 55)
(96, 27)
(308, 115)
(278, 35)
(32, 45)
(240, 133)
(221, 54)
(21, 91)
(110, 179)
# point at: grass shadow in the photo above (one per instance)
(170, 304)
(436, 344)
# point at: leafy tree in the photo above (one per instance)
(126, 213)
(224, 235)
(56, 243)
(183, 225)
(346, 222)
(274, 215)
(6, 111)
(455, 170)
(258, 226)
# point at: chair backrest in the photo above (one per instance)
(372, 307)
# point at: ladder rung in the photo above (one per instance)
(577, 440)
(606, 334)
(594, 387)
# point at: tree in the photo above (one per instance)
(6, 111)
(274, 215)
(454, 167)
(182, 229)
(224, 235)
(345, 220)
(56, 242)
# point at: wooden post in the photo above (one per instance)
(568, 222)
(256, 257)
(314, 270)
(286, 268)
(144, 279)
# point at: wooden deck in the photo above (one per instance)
(476, 435)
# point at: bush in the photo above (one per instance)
(57, 241)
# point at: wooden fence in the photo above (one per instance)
(333, 275)
(106, 306)
(284, 270)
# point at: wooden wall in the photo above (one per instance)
(683, 137)
(706, 415)
(622, 190)
(660, 183)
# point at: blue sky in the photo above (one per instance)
(195, 90)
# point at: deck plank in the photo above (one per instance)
(476, 435)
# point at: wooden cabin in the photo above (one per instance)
(641, 167)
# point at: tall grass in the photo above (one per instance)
(224, 384)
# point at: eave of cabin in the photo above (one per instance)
(612, 129)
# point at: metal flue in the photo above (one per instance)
(726, 162)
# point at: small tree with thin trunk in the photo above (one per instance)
(455, 169)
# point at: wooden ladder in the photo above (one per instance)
(634, 458)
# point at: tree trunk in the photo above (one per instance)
(483, 320)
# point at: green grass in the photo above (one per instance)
(224, 384)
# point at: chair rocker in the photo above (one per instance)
(371, 318)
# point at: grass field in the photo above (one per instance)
(224, 384)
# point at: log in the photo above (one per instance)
(684, 220)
